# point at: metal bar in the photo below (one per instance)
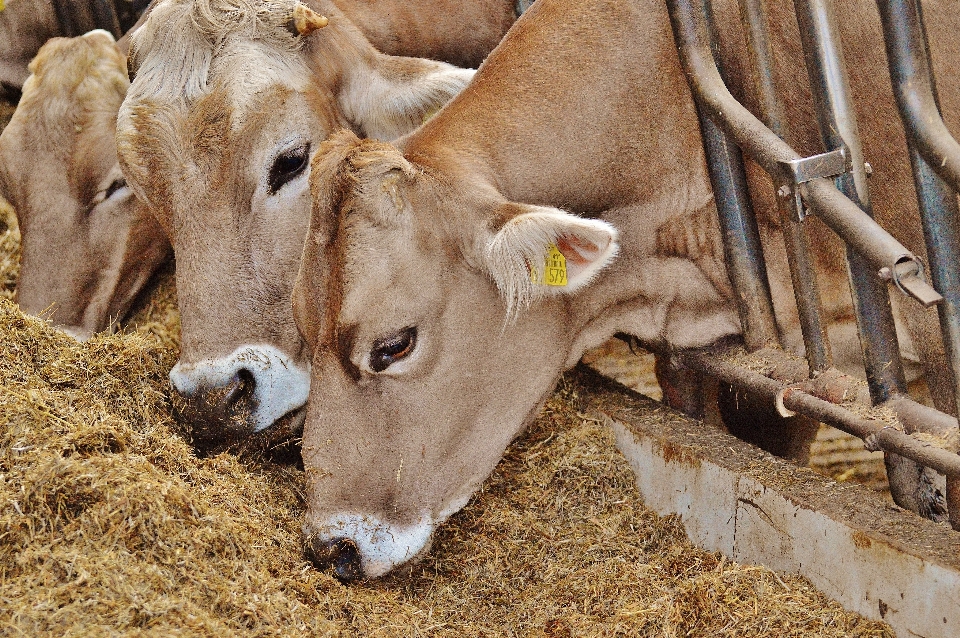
(914, 87)
(772, 153)
(838, 129)
(939, 213)
(870, 242)
(922, 418)
(806, 291)
(753, 16)
(871, 302)
(882, 433)
(802, 274)
(741, 237)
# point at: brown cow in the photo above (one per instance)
(88, 245)
(103, 258)
(443, 289)
(216, 133)
(26, 24)
(461, 33)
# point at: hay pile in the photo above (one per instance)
(9, 250)
(109, 520)
(110, 524)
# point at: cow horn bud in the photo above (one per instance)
(305, 20)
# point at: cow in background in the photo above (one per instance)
(87, 260)
(444, 285)
(88, 245)
(26, 24)
(227, 107)
(454, 31)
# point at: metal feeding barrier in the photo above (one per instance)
(833, 186)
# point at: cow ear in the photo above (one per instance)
(541, 251)
(398, 94)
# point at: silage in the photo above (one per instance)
(110, 521)
(110, 524)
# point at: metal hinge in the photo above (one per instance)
(798, 171)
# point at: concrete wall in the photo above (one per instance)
(865, 552)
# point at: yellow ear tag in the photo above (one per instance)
(555, 271)
(1, 5)
(426, 116)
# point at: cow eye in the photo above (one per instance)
(392, 349)
(102, 196)
(288, 165)
(115, 185)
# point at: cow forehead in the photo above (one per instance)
(181, 44)
(174, 148)
(203, 69)
(242, 80)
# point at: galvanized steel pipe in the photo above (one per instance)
(768, 150)
(935, 160)
(914, 88)
(886, 435)
(802, 273)
(743, 252)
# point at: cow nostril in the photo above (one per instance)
(240, 389)
(340, 554)
(216, 415)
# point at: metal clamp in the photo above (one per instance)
(798, 171)
(907, 275)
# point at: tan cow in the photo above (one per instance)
(26, 24)
(216, 134)
(88, 245)
(455, 31)
(86, 260)
(445, 285)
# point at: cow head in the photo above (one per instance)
(231, 100)
(435, 333)
(88, 245)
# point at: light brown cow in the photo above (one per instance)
(445, 286)
(88, 245)
(86, 260)
(26, 24)
(458, 32)
(216, 133)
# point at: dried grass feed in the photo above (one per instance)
(111, 525)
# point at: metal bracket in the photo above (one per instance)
(907, 275)
(805, 169)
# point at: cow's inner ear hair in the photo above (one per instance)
(546, 251)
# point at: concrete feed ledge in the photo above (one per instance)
(872, 557)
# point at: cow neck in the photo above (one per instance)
(616, 105)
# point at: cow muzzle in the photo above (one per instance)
(354, 547)
(340, 555)
(227, 400)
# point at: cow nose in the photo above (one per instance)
(225, 400)
(240, 389)
(219, 414)
(340, 554)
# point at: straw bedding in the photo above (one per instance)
(110, 524)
